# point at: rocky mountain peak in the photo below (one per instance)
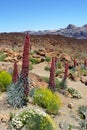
(85, 25)
(71, 26)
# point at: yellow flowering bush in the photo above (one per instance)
(46, 99)
(5, 80)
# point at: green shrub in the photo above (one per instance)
(84, 72)
(58, 72)
(36, 119)
(57, 84)
(5, 80)
(58, 65)
(63, 84)
(83, 115)
(30, 66)
(75, 93)
(2, 88)
(46, 79)
(48, 59)
(2, 56)
(32, 52)
(82, 111)
(47, 68)
(35, 60)
(48, 100)
(31, 92)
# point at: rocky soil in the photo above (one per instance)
(65, 49)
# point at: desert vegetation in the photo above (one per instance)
(36, 98)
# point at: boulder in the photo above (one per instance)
(74, 77)
(70, 105)
(65, 57)
(41, 53)
(83, 80)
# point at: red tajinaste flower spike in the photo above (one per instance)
(52, 74)
(56, 59)
(25, 61)
(66, 71)
(75, 63)
(25, 65)
(15, 73)
(85, 63)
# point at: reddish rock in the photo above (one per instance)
(65, 57)
(83, 80)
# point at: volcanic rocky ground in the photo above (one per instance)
(42, 46)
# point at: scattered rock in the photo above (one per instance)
(83, 80)
(70, 105)
(65, 57)
(64, 125)
(8, 105)
(36, 56)
(41, 52)
(74, 77)
(65, 93)
(4, 117)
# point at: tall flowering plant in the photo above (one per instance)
(15, 73)
(52, 74)
(85, 63)
(18, 91)
(63, 84)
(25, 64)
(75, 63)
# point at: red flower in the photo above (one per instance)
(25, 61)
(25, 65)
(75, 63)
(85, 63)
(52, 74)
(15, 73)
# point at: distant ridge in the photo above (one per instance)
(70, 31)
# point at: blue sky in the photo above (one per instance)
(22, 15)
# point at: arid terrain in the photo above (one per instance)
(42, 46)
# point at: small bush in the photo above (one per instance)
(36, 119)
(75, 93)
(5, 80)
(2, 56)
(48, 100)
(35, 60)
(48, 59)
(32, 52)
(58, 72)
(83, 115)
(57, 84)
(46, 79)
(47, 68)
(84, 72)
(30, 66)
(63, 84)
(58, 65)
(82, 111)
(31, 92)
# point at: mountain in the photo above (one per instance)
(70, 31)
(73, 31)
